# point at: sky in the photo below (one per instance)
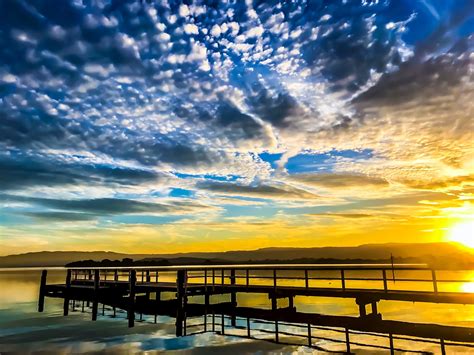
(163, 126)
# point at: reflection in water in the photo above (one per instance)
(23, 330)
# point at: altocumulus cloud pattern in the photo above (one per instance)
(164, 108)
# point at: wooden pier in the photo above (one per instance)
(140, 290)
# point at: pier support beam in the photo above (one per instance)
(180, 300)
(42, 290)
(131, 299)
(362, 303)
(95, 301)
(67, 293)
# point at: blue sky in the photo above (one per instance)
(120, 116)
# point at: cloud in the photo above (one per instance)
(339, 180)
(262, 190)
(344, 215)
(19, 172)
(102, 206)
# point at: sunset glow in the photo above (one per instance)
(463, 233)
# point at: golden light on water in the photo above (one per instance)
(463, 233)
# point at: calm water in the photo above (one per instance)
(23, 330)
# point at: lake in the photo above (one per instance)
(23, 330)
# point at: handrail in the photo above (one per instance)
(226, 275)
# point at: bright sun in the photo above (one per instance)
(463, 233)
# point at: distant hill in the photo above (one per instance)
(422, 252)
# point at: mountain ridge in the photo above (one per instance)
(373, 251)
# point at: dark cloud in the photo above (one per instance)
(455, 182)
(19, 172)
(102, 206)
(339, 180)
(60, 216)
(277, 191)
(343, 215)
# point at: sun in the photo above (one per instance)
(463, 233)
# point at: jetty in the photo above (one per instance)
(185, 292)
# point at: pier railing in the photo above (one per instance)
(378, 277)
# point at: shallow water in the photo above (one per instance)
(24, 330)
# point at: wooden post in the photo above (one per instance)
(343, 280)
(180, 298)
(213, 277)
(248, 327)
(276, 331)
(290, 302)
(306, 280)
(362, 311)
(116, 277)
(205, 279)
(374, 307)
(435, 285)
(233, 295)
(233, 298)
(95, 301)
(42, 290)
(392, 350)
(274, 302)
(310, 341)
(247, 278)
(82, 309)
(213, 321)
(222, 276)
(443, 349)
(131, 298)
(222, 324)
(274, 278)
(348, 342)
(156, 277)
(384, 275)
(148, 279)
(67, 293)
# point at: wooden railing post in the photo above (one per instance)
(233, 298)
(435, 284)
(247, 278)
(343, 280)
(310, 340)
(274, 278)
(95, 300)
(131, 298)
(306, 280)
(67, 292)
(348, 342)
(384, 275)
(233, 294)
(42, 290)
(116, 275)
